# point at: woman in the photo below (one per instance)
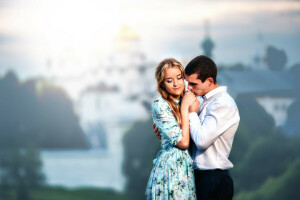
(172, 174)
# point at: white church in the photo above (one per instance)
(107, 108)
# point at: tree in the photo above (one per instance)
(276, 59)
(295, 72)
(260, 151)
(140, 148)
(45, 117)
(31, 119)
(292, 125)
(285, 186)
(255, 123)
(58, 125)
(268, 156)
(20, 171)
(208, 46)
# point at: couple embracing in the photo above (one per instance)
(195, 139)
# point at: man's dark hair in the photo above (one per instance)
(204, 67)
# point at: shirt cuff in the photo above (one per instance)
(193, 116)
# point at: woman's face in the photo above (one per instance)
(173, 82)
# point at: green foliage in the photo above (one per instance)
(20, 172)
(285, 186)
(261, 152)
(57, 193)
(276, 59)
(292, 125)
(295, 72)
(254, 123)
(208, 46)
(36, 112)
(265, 158)
(140, 148)
(254, 117)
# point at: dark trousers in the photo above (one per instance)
(213, 185)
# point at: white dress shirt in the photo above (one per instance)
(213, 130)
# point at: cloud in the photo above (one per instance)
(165, 27)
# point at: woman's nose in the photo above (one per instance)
(175, 83)
(189, 87)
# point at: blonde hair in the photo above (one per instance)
(160, 75)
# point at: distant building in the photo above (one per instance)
(115, 95)
(117, 100)
(258, 59)
(207, 44)
(127, 62)
(273, 90)
(106, 114)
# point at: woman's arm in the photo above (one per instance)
(165, 122)
(185, 140)
(189, 100)
(167, 125)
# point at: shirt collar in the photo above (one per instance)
(214, 92)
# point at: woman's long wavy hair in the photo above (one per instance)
(160, 76)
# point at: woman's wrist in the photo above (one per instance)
(184, 108)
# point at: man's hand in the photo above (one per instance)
(195, 106)
(155, 130)
(188, 99)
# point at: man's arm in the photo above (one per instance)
(216, 121)
(155, 130)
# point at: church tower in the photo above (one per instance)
(207, 44)
(126, 63)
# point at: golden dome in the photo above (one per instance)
(127, 33)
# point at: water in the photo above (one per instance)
(82, 168)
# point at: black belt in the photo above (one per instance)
(208, 171)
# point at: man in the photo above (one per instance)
(212, 129)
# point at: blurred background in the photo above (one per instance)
(77, 82)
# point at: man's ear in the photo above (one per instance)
(210, 80)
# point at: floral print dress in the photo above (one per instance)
(172, 176)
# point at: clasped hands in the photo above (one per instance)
(189, 101)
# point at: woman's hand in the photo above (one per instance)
(188, 99)
(195, 106)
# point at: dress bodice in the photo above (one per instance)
(166, 123)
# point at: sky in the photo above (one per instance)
(84, 31)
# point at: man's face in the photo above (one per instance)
(196, 86)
